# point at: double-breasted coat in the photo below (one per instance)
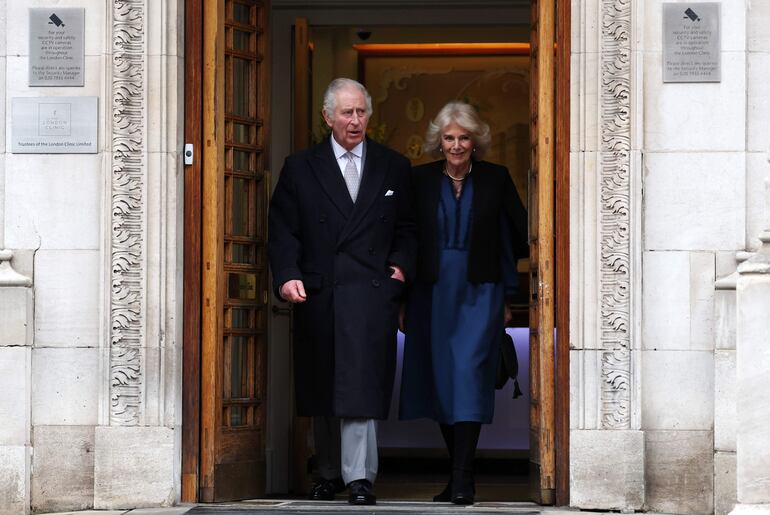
(345, 332)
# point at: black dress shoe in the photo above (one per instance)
(325, 489)
(361, 492)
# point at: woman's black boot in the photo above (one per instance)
(447, 431)
(466, 438)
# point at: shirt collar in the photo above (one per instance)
(340, 151)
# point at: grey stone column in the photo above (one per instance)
(752, 424)
(753, 380)
(15, 383)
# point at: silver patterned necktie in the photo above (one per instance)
(351, 176)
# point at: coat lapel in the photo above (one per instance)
(375, 170)
(327, 171)
(482, 189)
(433, 191)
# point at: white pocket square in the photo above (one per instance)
(390, 193)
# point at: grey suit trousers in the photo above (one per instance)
(346, 447)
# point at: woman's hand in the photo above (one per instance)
(507, 315)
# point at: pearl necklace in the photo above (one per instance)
(461, 179)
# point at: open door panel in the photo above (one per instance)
(541, 202)
(234, 237)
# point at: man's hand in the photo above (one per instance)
(293, 291)
(397, 274)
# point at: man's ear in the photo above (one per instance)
(327, 119)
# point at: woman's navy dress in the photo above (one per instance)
(453, 328)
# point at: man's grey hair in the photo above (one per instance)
(464, 115)
(337, 85)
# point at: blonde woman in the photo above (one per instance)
(471, 228)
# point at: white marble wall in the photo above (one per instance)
(56, 217)
(697, 208)
(53, 209)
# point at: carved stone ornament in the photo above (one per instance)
(615, 214)
(9, 276)
(127, 214)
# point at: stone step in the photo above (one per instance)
(341, 507)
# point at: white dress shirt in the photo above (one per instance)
(342, 161)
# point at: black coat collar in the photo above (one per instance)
(327, 171)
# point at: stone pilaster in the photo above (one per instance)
(138, 442)
(15, 383)
(752, 379)
(605, 259)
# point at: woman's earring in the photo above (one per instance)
(474, 149)
(441, 150)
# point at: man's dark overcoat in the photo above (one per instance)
(345, 332)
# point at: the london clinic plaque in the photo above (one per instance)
(54, 125)
(56, 46)
(691, 42)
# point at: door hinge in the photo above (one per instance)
(188, 153)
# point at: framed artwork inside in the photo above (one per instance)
(410, 83)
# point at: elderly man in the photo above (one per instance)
(342, 242)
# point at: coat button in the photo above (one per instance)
(384, 218)
(336, 283)
(372, 252)
(375, 283)
(322, 219)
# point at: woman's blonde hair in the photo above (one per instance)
(466, 117)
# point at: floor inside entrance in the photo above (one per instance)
(419, 479)
(406, 484)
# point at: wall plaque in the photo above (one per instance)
(54, 125)
(56, 46)
(691, 42)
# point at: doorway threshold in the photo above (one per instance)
(302, 507)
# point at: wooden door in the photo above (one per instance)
(301, 427)
(541, 204)
(234, 235)
(561, 253)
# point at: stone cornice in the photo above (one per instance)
(127, 213)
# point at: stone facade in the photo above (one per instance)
(697, 156)
(90, 286)
(667, 198)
